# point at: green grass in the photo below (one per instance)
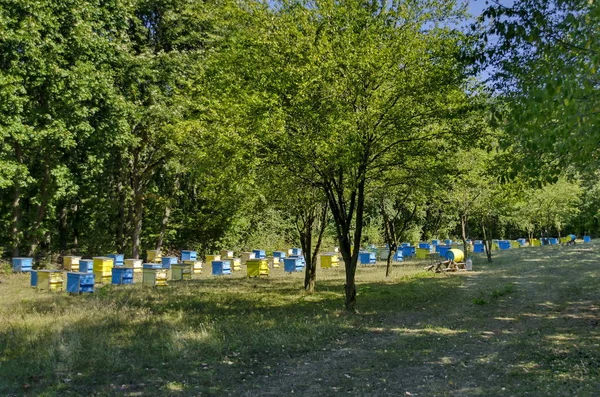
(525, 324)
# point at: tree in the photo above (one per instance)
(359, 87)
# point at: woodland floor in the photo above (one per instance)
(527, 324)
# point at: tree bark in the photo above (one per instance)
(122, 197)
(63, 231)
(463, 223)
(138, 208)
(163, 227)
(487, 242)
(16, 205)
(41, 212)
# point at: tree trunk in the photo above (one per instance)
(350, 303)
(121, 195)
(463, 224)
(41, 212)
(310, 275)
(63, 231)
(76, 226)
(487, 243)
(138, 208)
(16, 206)
(163, 227)
(388, 266)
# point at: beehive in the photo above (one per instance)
(22, 264)
(329, 261)
(424, 245)
(181, 271)
(274, 261)
(587, 239)
(535, 242)
(366, 258)
(398, 257)
(504, 245)
(33, 278)
(196, 266)
(408, 251)
(236, 264)
(478, 248)
(221, 268)
(71, 263)
(259, 254)
(226, 254)
(279, 254)
(448, 242)
(153, 256)
(80, 282)
(382, 253)
(86, 266)
(51, 280)
(189, 255)
(135, 264)
(117, 259)
(435, 242)
(246, 256)
(515, 244)
(442, 249)
(521, 241)
(122, 275)
(154, 275)
(291, 265)
(210, 258)
(422, 253)
(103, 269)
(257, 267)
(168, 261)
(295, 251)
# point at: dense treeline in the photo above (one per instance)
(144, 124)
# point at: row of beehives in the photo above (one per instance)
(424, 250)
(82, 274)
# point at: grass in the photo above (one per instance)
(527, 324)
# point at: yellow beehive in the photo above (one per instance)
(181, 271)
(273, 262)
(329, 261)
(246, 256)
(154, 256)
(196, 266)
(210, 258)
(135, 264)
(421, 253)
(102, 269)
(51, 280)
(257, 267)
(515, 244)
(495, 246)
(226, 254)
(535, 242)
(71, 263)
(236, 264)
(154, 277)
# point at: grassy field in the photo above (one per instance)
(527, 324)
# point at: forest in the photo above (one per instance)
(129, 125)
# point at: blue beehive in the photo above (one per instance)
(220, 268)
(167, 261)
(504, 244)
(426, 246)
(409, 251)
(117, 259)
(405, 245)
(448, 242)
(78, 282)
(553, 241)
(291, 265)
(296, 251)
(189, 255)
(259, 254)
(366, 258)
(279, 254)
(33, 279)
(435, 242)
(301, 257)
(86, 266)
(521, 241)
(398, 257)
(22, 264)
(478, 248)
(443, 249)
(572, 237)
(122, 275)
(587, 239)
